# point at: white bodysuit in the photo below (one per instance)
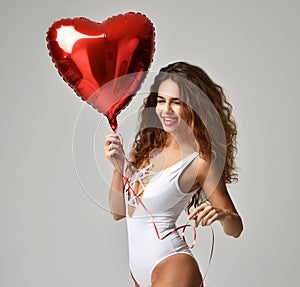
(165, 201)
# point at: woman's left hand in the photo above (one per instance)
(207, 214)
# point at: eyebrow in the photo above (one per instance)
(173, 99)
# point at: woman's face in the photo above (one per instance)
(169, 106)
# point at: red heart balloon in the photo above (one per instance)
(105, 63)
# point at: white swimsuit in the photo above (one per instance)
(165, 201)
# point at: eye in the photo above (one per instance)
(177, 102)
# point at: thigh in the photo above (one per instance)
(136, 284)
(178, 270)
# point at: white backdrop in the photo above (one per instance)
(55, 228)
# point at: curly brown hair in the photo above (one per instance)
(206, 111)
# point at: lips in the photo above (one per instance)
(169, 121)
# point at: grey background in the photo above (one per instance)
(55, 228)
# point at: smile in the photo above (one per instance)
(169, 121)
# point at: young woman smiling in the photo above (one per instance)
(182, 157)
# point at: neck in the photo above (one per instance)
(179, 143)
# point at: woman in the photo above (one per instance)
(182, 157)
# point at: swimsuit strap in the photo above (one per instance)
(187, 160)
(143, 173)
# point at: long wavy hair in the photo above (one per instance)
(205, 110)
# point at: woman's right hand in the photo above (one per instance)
(113, 150)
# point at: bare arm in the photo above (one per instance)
(225, 211)
(221, 207)
(116, 196)
(114, 152)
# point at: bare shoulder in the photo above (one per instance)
(202, 167)
(194, 175)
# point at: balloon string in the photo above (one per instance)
(183, 227)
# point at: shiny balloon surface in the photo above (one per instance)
(105, 63)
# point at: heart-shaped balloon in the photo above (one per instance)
(105, 63)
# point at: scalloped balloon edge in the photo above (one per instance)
(83, 17)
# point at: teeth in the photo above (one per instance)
(170, 120)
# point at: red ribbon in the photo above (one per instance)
(183, 227)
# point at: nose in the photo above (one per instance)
(168, 106)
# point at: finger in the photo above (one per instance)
(202, 207)
(112, 154)
(112, 138)
(212, 220)
(194, 213)
(197, 221)
(198, 218)
(117, 147)
(198, 210)
(108, 148)
(111, 148)
(202, 214)
(212, 214)
(112, 144)
(109, 137)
